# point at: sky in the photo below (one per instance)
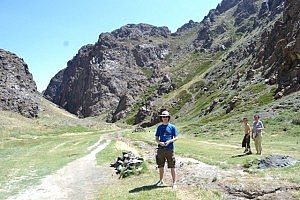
(49, 33)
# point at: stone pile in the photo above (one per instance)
(139, 129)
(128, 164)
(276, 161)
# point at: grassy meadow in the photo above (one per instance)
(33, 148)
(215, 143)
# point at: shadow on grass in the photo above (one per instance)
(146, 188)
(240, 155)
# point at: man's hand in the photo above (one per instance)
(168, 142)
(162, 144)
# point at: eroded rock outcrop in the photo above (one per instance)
(279, 54)
(18, 90)
(112, 75)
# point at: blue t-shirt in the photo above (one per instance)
(165, 133)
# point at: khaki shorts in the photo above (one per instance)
(163, 155)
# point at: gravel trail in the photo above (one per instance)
(77, 180)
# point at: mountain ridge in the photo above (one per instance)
(236, 52)
(225, 49)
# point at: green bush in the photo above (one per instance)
(182, 98)
(296, 120)
(195, 87)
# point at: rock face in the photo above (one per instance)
(112, 75)
(187, 26)
(128, 71)
(279, 53)
(18, 91)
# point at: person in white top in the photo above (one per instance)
(257, 128)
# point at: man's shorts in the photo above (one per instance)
(246, 141)
(163, 155)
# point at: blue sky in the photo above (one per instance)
(48, 33)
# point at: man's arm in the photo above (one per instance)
(170, 141)
(159, 142)
(262, 126)
(157, 139)
(249, 131)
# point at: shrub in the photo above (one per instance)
(182, 98)
(195, 87)
(296, 120)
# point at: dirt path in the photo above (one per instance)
(235, 184)
(77, 180)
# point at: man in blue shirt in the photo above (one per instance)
(166, 135)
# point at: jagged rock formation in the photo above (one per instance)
(249, 19)
(112, 75)
(18, 90)
(130, 70)
(279, 53)
(191, 24)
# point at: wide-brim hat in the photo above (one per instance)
(165, 113)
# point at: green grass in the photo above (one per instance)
(195, 87)
(266, 98)
(109, 154)
(182, 98)
(217, 144)
(32, 149)
(142, 186)
(25, 160)
(219, 147)
(286, 173)
(136, 187)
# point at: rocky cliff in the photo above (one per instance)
(112, 75)
(209, 66)
(18, 90)
(279, 53)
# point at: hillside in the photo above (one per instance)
(224, 65)
(242, 56)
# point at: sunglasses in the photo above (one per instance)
(164, 117)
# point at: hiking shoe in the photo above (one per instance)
(160, 183)
(249, 153)
(174, 186)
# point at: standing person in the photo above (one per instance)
(258, 126)
(247, 136)
(166, 134)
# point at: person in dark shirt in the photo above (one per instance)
(247, 136)
(165, 136)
